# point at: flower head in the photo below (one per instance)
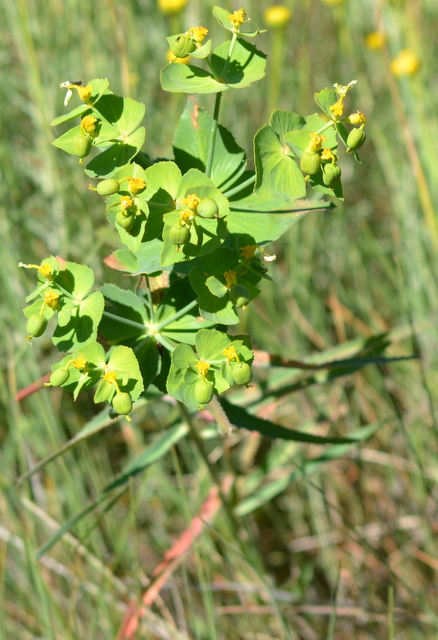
(198, 34)
(248, 251)
(171, 7)
(135, 185)
(126, 202)
(357, 118)
(375, 40)
(342, 90)
(202, 368)
(51, 299)
(191, 201)
(338, 108)
(327, 154)
(88, 125)
(110, 377)
(230, 353)
(230, 277)
(315, 143)
(277, 16)
(406, 63)
(237, 18)
(79, 363)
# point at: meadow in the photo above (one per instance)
(295, 541)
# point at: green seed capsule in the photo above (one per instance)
(239, 295)
(242, 373)
(331, 174)
(36, 325)
(207, 208)
(122, 403)
(58, 377)
(178, 234)
(81, 145)
(310, 162)
(356, 138)
(125, 221)
(183, 46)
(108, 187)
(203, 391)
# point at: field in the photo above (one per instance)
(268, 539)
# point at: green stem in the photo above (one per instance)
(240, 187)
(176, 316)
(150, 303)
(325, 127)
(166, 344)
(143, 160)
(131, 323)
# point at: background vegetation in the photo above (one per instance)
(317, 542)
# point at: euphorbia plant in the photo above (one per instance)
(202, 219)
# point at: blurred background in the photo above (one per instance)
(322, 542)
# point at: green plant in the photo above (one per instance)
(204, 218)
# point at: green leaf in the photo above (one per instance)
(162, 183)
(223, 259)
(221, 16)
(83, 324)
(217, 286)
(123, 362)
(124, 114)
(99, 86)
(182, 357)
(118, 155)
(325, 99)
(149, 257)
(77, 279)
(127, 306)
(148, 356)
(205, 236)
(219, 310)
(186, 78)
(202, 52)
(247, 64)
(80, 379)
(66, 142)
(278, 175)
(192, 141)
(210, 344)
(122, 260)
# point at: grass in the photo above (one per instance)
(329, 542)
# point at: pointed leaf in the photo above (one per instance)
(118, 155)
(219, 310)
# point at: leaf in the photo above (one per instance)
(118, 155)
(83, 324)
(192, 141)
(219, 310)
(210, 344)
(124, 114)
(278, 175)
(186, 78)
(122, 260)
(162, 183)
(99, 86)
(122, 360)
(206, 235)
(221, 16)
(77, 279)
(127, 306)
(148, 356)
(182, 357)
(217, 286)
(325, 99)
(247, 64)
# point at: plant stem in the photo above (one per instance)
(176, 316)
(150, 303)
(131, 323)
(166, 344)
(240, 187)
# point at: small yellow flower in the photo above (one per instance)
(51, 299)
(237, 18)
(338, 108)
(198, 34)
(110, 377)
(406, 63)
(135, 185)
(79, 363)
(375, 40)
(277, 16)
(230, 353)
(171, 7)
(45, 270)
(85, 93)
(126, 202)
(327, 154)
(203, 368)
(357, 118)
(230, 277)
(191, 201)
(316, 141)
(186, 216)
(248, 251)
(88, 125)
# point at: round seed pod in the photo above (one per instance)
(125, 221)
(178, 234)
(207, 208)
(36, 325)
(239, 295)
(182, 46)
(108, 187)
(81, 145)
(122, 403)
(331, 174)
(356, 138)
(242, 373)
(58, 377)
(203, 391)
(310, 162)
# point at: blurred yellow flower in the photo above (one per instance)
(277, 16)
(332, 1)
(375, 40)
(405, 63)
(171, 7)
(170, 57)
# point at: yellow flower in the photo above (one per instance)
(202, 367)
(248, 251)
(230, 353)
(342, 90)
(110, 377)
(51, 299)
(79, 363)
(327, 154)
(405, 63)
(170, 57)
(84, 93)
(338, 108)
(171, 7)
(126, 202)
(357, 118)
(45, 270)
(191, 201)
(230, 277)
(277, 16)
(237, 18)
(186, 216)
(316, 141)
(375, 40)
(198, 34)
(135, 185)
(88, 125)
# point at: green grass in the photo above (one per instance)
(339, 547)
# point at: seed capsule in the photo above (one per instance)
(36, 325)
(242, 373)
(183, 46)
(310, 162)
(108, 187)
(331, 174)
(58, 377)
(178, 234)
(356, 138)
(207, 208)
(203, 391)
(122, 403)
(81, 145)
(239, 295)
(125, 221)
